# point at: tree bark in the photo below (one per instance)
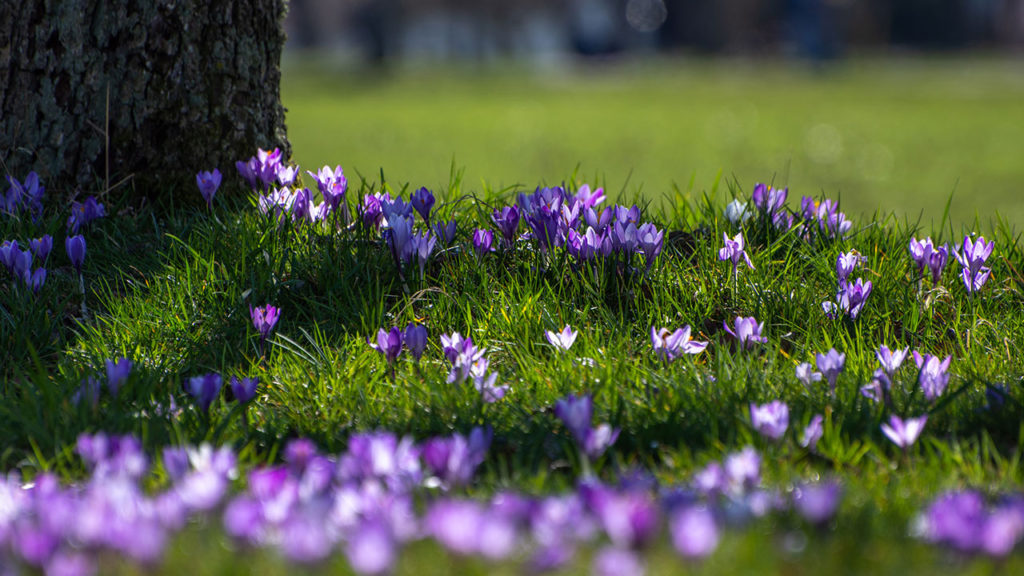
(93, 93)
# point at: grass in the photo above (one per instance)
(172, 290)
(896, 135)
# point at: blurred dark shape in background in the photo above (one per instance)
(381, 31)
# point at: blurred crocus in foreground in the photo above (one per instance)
(208, 182)
(562, 340)
(204, 389)
(771, 419)
(904, 433)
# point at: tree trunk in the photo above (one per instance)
(97, 92)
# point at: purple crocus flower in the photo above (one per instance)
(934, 374)
(890, 359)
(486, 385)
(507, 221)
(831, 365)
(670, 345)
(422, 245)
(599, 222)
(82, 213)
(851, 297)
(615, 561)
(483, 241)
(747, 332)
(249, 171)
(75, 247)
(562, 340)
(694, 531)
(244, 390)
(269, 165)
(576, 413)
(371, 210)
(845, 264)
(36, 280)
(445, 232)
(733, 251)
(813, 432)
(41, 247)
(770, 420)
(423, 200)
(587, 198)
(371, 549)
(767, 199)
(208, 182)
(454, 459)
(902, 432)
(416, 339)
(264, 318)
(817, 503)
(399, 236)
(649, 239)
(926, 255)
(117, 372)
(389, 343)
(332, 185)
(806, 374)
(972, 257)
(629, 517)
(624, 237)
(286, 174)
(204, 389)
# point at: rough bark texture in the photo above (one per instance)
(193, 85)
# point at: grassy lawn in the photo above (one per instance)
(895, 135)
(172, 291)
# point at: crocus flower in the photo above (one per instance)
(589, 198)
(423, 200)
(371, 549)
(389, 343)
(736, 212)
(445, 232)
(934, 374)
(813, 432)
(208, 182)
(244, 390)
(117, 372)
(264, 318)
(845, 264)
(733, 251)
(767, 199)
(806, 374)
(332, 185)
(770, 420)
(454, 459)
(507, 221)
(36, 280)
(416, 339)
(562, 340)
(616, 561)
(904, 433)
(576, 413)
(486, 385)
(890, 359)
(286, 174)
(75, 247)
(82, 213)
(747, 332)
(851, 297)
(831, 365)
(483, 241)
(694, 531)
(204, 389)
(817, 503)
(41, 247)
(669, 345)
(972, 257)
(649, 239)
(371, 210)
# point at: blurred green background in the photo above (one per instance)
(896, 134)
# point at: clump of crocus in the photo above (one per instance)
(926, 255)
(831, 364)
(204, 389)
(851, 297)
(904, 433)
(934, 374)
(963, 521)
(576, 412)
(770, 203)
(770, 420)
(972, 257)
(332, 185)
(83, 213)
(208, 182)
(468, 361)
(746, 332)
(671, 345)
(562, 340)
